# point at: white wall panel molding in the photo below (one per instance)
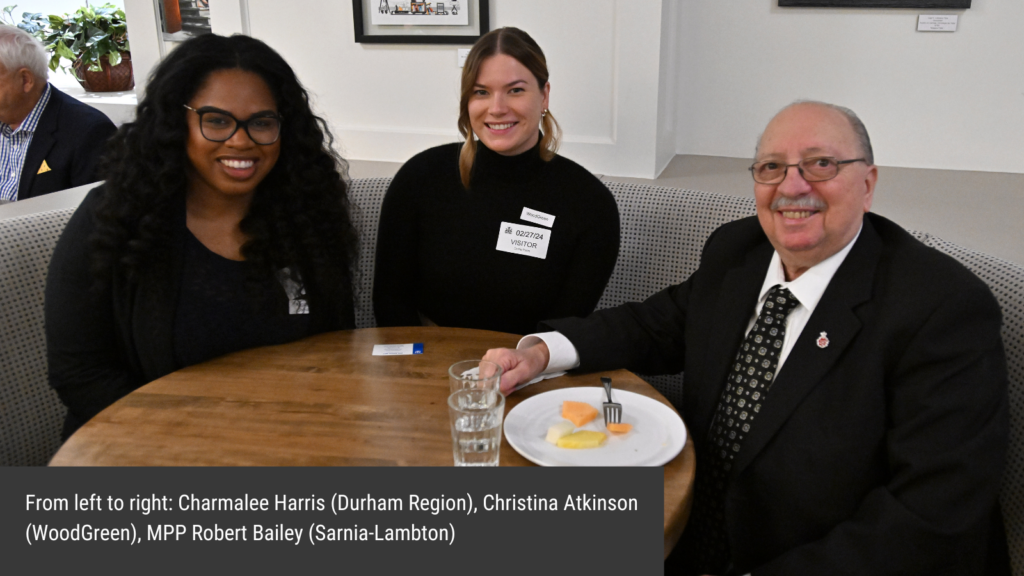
(147, 43)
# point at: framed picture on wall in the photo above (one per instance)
(411, 22)
(949, 4)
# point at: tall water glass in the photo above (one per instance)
(476, 415)
(481, 374)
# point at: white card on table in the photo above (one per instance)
(397, 349)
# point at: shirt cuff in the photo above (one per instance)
(563, 355)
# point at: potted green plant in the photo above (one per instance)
(95, 42)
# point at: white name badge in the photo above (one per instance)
(537, 217)
(524, 240)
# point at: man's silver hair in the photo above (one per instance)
(18, 49)
(858, 128)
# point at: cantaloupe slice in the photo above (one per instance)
(563, 428)
(582, 439)
(579, 413)
(619, 428)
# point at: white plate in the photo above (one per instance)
(657, 436)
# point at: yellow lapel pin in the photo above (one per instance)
(44, 167)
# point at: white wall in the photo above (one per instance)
(668, 85)
(146, 39)
(929, 100)
(388, 102)
(636, 81)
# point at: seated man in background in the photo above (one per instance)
(48, 140)
(845, 384)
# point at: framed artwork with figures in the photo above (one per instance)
(412, 22)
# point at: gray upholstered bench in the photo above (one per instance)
(663, 232)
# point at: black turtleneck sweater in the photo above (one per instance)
(436, 252)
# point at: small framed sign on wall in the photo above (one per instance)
(948, 4)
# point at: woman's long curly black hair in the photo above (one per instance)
(299, 216)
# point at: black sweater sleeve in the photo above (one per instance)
(396, 266)
(594, 259)
(87, 366)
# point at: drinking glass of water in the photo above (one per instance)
(476, 415)
(474, 374)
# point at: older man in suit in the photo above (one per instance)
(845, 385)
(48, 140)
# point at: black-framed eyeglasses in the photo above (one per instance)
(217, 125)
(815, 169)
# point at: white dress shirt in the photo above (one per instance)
(808, 289)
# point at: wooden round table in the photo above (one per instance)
(324, 401)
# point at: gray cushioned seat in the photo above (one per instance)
(31, 415)
(662, 235)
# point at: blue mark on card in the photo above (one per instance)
(417, 348)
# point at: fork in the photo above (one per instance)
(612, 410)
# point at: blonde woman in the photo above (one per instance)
(498, 232)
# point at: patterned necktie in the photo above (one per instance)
(746, 389)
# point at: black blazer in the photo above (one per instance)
(881, 453)
(70, 137)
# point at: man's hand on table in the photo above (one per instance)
(520, 365)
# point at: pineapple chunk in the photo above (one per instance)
(579, 413)
(563, 428)
(582, 439)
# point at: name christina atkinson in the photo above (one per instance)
(580, 503)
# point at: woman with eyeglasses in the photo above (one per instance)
(498, 232)
(223, 224)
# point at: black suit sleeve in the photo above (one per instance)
(87, 366)
(945, 448)
(643, 337)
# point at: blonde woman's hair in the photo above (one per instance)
(519, 45)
